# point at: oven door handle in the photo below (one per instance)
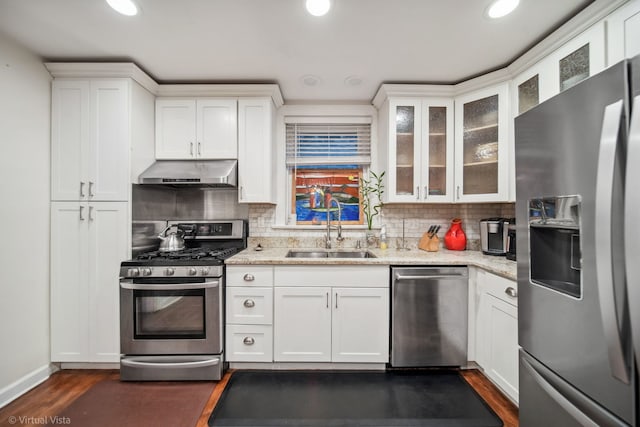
(170, 365)
(128, 284)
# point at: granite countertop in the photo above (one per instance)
(277, 256)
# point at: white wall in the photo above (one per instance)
(24, 217)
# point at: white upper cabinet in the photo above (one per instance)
(175, 129)
(481, 145)
(623, 33)
(444, 149)
(217, 128)
(417, 143)
(90, 140)
(581, 57)
(200, 128)
(256, 177)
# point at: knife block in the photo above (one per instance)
(429, 243)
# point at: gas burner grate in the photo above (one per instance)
(187, 254)
(222, 253)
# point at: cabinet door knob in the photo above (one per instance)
(191, 148)
(511, 292)
(91, 189)
(81, 213)
(418, 193)
(248, 341)
(81, 189)
(249, 277)
(249, 303)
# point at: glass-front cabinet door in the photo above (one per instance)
(481, 145)
(420, 150)
(404, 150)
(528, 94)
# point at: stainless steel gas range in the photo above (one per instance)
(171, 305)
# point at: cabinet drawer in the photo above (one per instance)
(353, 276)
(249, 343)
(249, 306)
(498, 286)
(250, 275)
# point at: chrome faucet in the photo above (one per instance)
(339, 238)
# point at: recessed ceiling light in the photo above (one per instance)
(125, 7)
(311, 80)
(353, 81)
(318, 7)
(500, 8)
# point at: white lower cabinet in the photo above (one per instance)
(497, 331)
(346, 320)
(249, 343)
(88, 242)
(360, 325)
(249, 313)
(302, 324)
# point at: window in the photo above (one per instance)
(325, 163)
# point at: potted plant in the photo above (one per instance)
(371, 190)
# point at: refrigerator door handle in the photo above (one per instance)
(558, 397)
(604, 258)
(631, 218)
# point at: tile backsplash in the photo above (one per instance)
(416, 218)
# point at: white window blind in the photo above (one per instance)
(328, 144)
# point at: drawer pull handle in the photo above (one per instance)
(249, 277)
(511, 292)
(249, 303)
(248, 341)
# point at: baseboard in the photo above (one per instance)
(24, 384)
(83, 365)
(307, 365)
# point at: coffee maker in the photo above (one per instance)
(494, 235)
(511, 242)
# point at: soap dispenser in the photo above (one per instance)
(383, 237)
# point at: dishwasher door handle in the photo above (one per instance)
(422, 277)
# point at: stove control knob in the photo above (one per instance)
(170, 271)
(204, 271)
(146, 271)
(133, 272)
(193, 271)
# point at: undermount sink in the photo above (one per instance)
(330, 254)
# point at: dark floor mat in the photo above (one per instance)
(327, 399)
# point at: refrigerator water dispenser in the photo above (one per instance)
(554, 240)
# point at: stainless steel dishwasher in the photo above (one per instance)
(429, 316)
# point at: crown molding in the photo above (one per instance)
(480, 82)
(585, 19)
(132, 71)
(230, 90)
(387, 90)
(102, 70)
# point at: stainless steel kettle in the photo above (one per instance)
(171, 241)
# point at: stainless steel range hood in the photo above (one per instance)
(210, 173)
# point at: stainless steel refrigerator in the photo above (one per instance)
(578, 252)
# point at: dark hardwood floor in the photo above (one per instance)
(63, 387)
